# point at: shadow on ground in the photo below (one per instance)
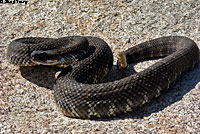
(43, 76)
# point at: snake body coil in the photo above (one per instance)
(79, 93)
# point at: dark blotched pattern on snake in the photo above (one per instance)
(79, 91)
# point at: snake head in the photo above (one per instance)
(45, 57)
(50, 57)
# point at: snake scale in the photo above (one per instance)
(79, 91)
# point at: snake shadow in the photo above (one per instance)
(43, 76)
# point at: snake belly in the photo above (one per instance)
(79, 92)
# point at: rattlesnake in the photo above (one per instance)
(79, 91)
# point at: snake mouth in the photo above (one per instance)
(50, 57)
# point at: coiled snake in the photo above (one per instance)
(79, 91)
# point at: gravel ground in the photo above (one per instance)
(27, 104)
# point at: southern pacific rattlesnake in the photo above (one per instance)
(79, 93)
